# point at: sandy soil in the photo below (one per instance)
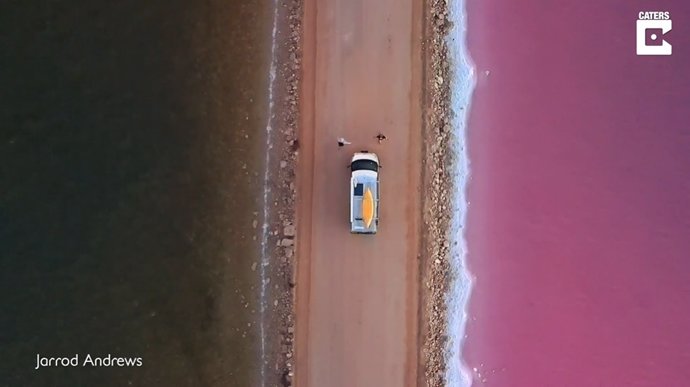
(357, 296)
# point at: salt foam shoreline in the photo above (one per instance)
(462, 84)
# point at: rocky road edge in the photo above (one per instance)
(437, 180)
(283, 191)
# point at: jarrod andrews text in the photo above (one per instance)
(87, 361)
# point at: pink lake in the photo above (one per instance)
(579, 223)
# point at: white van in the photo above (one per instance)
(364, 193)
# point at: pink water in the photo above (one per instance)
(579, 222)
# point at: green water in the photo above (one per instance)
(124, 203)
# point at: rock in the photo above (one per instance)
(289, 230)
(291, 330)
(254, 266)
(287, 242)
(254, 223)
(283, 164)
(287, 379)
(289, 251)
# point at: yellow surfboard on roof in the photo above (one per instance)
(368, 207)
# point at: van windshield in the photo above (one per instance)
(367, 165)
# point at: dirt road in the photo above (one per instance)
(357, 295)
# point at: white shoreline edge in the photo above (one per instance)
(265, 253)
(462, 84)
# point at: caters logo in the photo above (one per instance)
(652, 28)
